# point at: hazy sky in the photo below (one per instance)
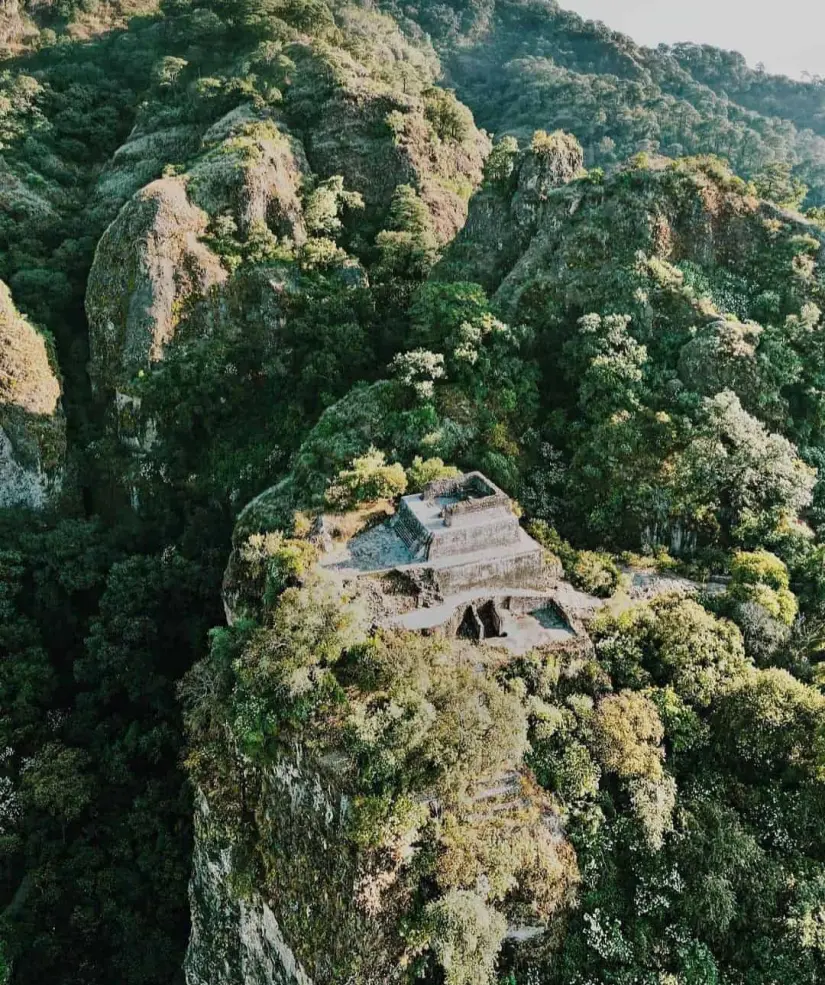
(787, 35)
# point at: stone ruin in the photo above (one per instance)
(454, 560)
(466, 531)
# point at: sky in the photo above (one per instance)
(788, 36)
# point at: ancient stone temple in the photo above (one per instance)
(465, 530)
(455, 560)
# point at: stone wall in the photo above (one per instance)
(410, 529)
(470, 507)
(507, 571)
(475, 483)
(497, 531)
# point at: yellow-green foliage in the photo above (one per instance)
(755, 567)
(672, 641)
(272, 562)
(761, 577)
(774, 725)
(423, 471)
(465, 934)
(592, 571)
(507, 851)
(595, 572)
(369, 479)
(629, 736)
(420, 717)
(546, 144)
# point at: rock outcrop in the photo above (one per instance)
(255, 172)
(302, 873)
(32, 425)
(510, 208)
(150, 263)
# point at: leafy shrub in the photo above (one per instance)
(763, 633)
(465, 936)
(673, 641)
(629, 735)
(591, 571)
(755, 567)
(450, 119)
(596, 573)
(369, 479)
(286, 565)
(761, 578)
(501, 162)
(550, 540)
(422, 472)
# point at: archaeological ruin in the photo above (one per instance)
(454, 560)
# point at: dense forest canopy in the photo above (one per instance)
(258, 257)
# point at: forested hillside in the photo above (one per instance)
(521, 65)
(264, 259)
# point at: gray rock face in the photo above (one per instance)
(32, 425)
(505, 216)
(552, 163)
(149, 264)
(235, 940)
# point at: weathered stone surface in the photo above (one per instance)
(149, 264)
(305, 921)
(254, 171)
(353, 137)
(504, 216)
(235, 940)
(140, 160)
(32, 426)
(15, 26)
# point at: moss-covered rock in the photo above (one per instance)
(254, 171)
(377, 134)
(149, 265)
(32, 425)
(509, 208)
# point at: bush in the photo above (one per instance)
(369, 479)
(761, 578)
(551, 541)
(764, 634)
(501, 162)
(628, 734)
(465, 936)
(596, 573)
(422, 472)
(758, 567)
(591, 571)
(449, 118)
(286, 565)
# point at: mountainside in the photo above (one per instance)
(411, 525)
(525, 64)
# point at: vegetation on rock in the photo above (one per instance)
(281, 269)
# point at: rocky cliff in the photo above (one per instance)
(32, 426)
(278, 180)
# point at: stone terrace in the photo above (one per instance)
(468, 567)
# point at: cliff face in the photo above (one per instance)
(32, 426)
(235, 938)
(150, 263)
(299, 176)
(347, 827)
(303, 923)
